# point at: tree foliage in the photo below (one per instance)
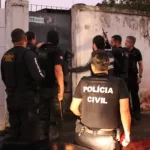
(141, 5)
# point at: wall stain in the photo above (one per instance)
(131, 22)
(142, 26)
(87, 27)
(105, 19)
(117, 19)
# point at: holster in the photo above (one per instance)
(118, 136)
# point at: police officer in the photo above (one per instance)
(31, 45)
(98, 44)
(20, 74)
(135, 75)
(121, 57)
(102, 98)
(50, 58)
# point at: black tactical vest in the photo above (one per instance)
(45, 59)
(100, 104)
(45, 55)
(15, 72)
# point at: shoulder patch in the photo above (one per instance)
(9, 57)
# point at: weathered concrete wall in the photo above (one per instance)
(17, 16)
(2, 50)
(88, 21)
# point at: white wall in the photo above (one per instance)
(2, 50)
(88, 21)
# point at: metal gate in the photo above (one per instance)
(42, 20)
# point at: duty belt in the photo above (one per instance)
(97, 132)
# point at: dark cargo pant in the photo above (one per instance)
(21, 123)
(133, 87)
(49, 112)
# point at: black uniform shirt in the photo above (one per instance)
(134, 57)
(19, 68)
(121, 56)
(100, 96)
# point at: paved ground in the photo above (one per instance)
(140, 135)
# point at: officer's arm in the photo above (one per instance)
(77, 99)
(140, 63)
(60, 79)
(140, 68)
(125, 115)
(33, 66)
(81, 68)
(2, 71)
(75, 106)
(124, 107)
(58, 63)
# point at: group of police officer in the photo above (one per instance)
(34, 79)
(102, 100)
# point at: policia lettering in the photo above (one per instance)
(101, 100)
(98, 89)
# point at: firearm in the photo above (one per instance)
(68, 55)
(107, 44)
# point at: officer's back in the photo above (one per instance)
(19, 66)
(103, 99)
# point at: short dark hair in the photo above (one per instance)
(132, 39)
(100, 60)
(117, 38)
(99, 42)
(53, 37)
(30, 36)
(17, 35)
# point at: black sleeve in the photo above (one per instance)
(78, 90)
(139, 56)
(123, 91)
(2, 71)
(58, 57)
(81, 68)
(33, 66)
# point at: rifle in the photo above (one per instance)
(104, 33)
(107, 44)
